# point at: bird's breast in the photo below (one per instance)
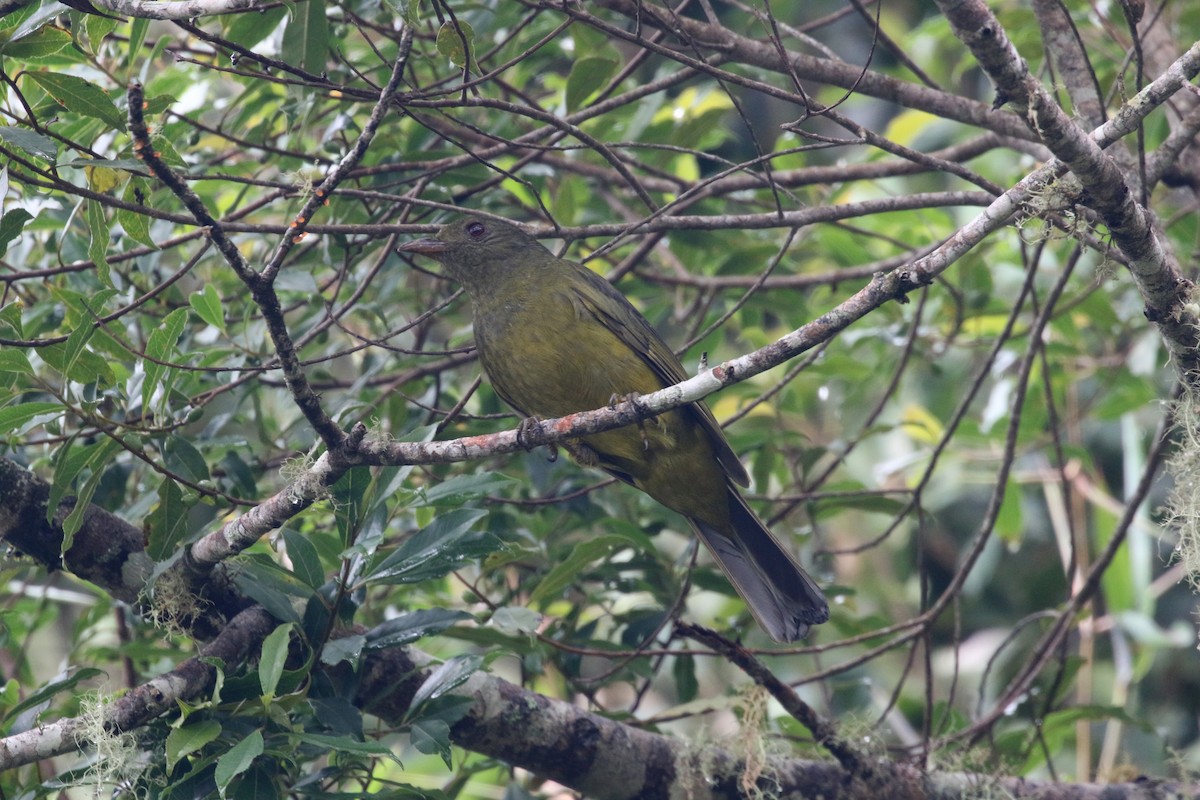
(548, 359)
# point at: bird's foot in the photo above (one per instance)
(584, 455)
(632, 398)
(528, 426)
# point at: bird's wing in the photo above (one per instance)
(639, 336)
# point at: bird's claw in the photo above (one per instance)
(528, 426)
(632, 397)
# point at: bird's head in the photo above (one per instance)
(474, 249)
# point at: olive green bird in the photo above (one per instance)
(556, 338)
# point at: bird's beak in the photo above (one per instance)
(425, 247)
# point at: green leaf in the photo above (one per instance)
(516, 621)
(582, 555)
(862, 501)
(11, 225)
(408, 628)
(1123, 394)
(17, 417)
(207, 304)
(446, 677)
(274, 656)
(167, 522)
(10, 319)
(44, 42)
(80, 96)
(13, 364)
(184, 459)
(137, 35)
(431, 737)
(1008, 521)
(79, 365)
(106, 180)
(42, 696)
(35, 144)
(73, 348)
(71, 460)
(135, 225)
(407, 9)
(348, 744)
(461, 488)
(456, 41)
(97, 28)
(190, 738)
(306, 37)
(433, 551)
(349, 493)
(83, 495)
(166, 149)
(272, 587)
(250, 29)
(237, 760)
(100, 238)
(684, 671)
(24, 21)
(587, 75)
(306, 562)
(160, 346)
(347, 648)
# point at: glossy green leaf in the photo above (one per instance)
(207, 304)
(80, 96)
(274, 656)
(306, 37)
(276, 589)
(42, 695)
(431, 552)
(461, 488)
(13, 418)
(190, 738)
(237, 760)
(306, 561)
(408, 628)
(432, 737)
(33, 143)
(160, 347)
(136, 225)
(446, 677)
(37, 45)
(568, 570)
(11, 225)
(168, 522)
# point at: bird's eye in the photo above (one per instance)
(476, 229)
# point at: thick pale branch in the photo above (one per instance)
(244, 530)
(177, 9)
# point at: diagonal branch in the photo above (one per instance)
(188, 680)
(1159, 279)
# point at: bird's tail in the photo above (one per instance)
(780, 594)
